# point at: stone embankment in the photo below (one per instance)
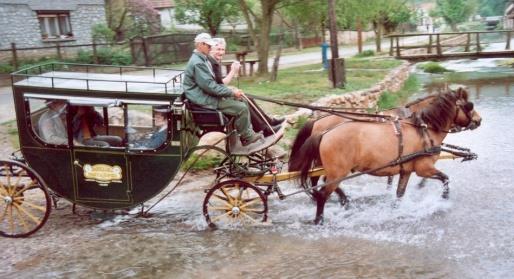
(367, 98)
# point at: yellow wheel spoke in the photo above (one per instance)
(11, 220)
(32, 183)
(3, 214)
(35, 206)
(246, 204)
(240, 194)
(3, 190)
(220, 208)
(229, 197)
(22, 219)
(256, 210)
(32, 217)
(249, 218)
(223, 200)
(8, 177)
(215, 219)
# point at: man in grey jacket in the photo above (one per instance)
(201, 88)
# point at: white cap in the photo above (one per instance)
(219, 41)
(204, 38)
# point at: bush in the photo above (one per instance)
(365, 53)
(107, 56)
(6, 68)
(102, 33)
(433, 68)
(110, 56)
(84, 57)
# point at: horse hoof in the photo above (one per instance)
(445, 196)
(318, 221)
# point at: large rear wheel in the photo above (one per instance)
(235, 202)
(24, 201)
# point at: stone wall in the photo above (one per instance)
(367, 98)
(20, 24)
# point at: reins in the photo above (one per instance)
(343, 112)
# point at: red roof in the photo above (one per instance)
(159, 4)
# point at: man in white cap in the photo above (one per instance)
(201, 88)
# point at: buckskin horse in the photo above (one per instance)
(378, 148)
(318, 126)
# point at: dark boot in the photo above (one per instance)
(267, 131)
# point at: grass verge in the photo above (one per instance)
(393, 99)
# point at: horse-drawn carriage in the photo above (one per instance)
(124, 173)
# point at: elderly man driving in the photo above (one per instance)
(201, 88)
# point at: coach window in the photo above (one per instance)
(148, 126)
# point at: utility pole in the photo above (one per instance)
(336, 69)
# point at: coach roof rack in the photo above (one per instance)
(90, 77)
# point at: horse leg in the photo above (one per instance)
(402, 184)
(445, 180)
(321, 199)
(389, 182)
(343, 199)
(422, 183)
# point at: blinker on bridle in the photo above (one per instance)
(466, 108)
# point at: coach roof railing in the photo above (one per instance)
(90, 77)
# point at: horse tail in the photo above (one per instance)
(308, 154)
(303, 134)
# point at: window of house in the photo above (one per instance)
(55, 25)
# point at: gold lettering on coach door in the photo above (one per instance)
(102, 174)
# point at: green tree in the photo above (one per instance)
(309, 17)
(492, 7)
(454, 12)
(259, 16)
(207, 13)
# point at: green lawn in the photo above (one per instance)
(306, 84)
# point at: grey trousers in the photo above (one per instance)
(239, 110)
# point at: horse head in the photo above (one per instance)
(450, 111)
(465, 117)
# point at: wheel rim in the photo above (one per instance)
(24, 202)
(235, 203)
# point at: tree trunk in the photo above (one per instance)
(264, 43)
(378, 36)
(454, 28)
(359, 35)
(274, 69)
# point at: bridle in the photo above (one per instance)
(467, 108)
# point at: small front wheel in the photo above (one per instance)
(235, 202)
(24, 201)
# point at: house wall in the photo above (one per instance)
(20, 24)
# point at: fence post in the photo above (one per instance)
(58, 48)
(438, 41)
(507, 47)
(95, 55)
(468, 43)
(478, 42)
(14, 56)
(391, 47)
(429, 49)
(398, 52)
(145, 51)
